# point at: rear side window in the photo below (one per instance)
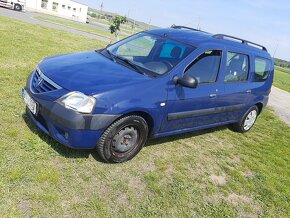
(237, 69)
(262, 69)
(205, 68)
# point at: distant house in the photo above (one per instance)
(62, 8)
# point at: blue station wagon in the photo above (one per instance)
(154, 83)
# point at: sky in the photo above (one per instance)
(266, 22)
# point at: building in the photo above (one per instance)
(62, 8)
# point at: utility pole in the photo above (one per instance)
(275, 49)
(149, 24)
(198, 24)
(101, 7)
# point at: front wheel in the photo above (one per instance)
(17, 7)
(123, 139)
(247, 121)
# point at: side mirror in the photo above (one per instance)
(186, 81)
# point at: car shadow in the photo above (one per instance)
(165, 139)
(85, 153)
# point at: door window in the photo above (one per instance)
(237, 68)
(205, 68)
(262, 69)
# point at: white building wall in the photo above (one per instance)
(71, 10)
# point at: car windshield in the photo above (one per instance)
(148, 54)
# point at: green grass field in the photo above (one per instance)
(282, 78)
(81, 27)
(210, 173)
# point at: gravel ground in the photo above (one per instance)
(280, 102)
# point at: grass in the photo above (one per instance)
(283, 69)
(282, 78)
(210, 173)
(76, 25)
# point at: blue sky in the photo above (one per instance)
(266, 22)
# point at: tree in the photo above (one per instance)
(93, 14)
(115, 25)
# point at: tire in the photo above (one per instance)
(17, 7)
(248, 120)
(123, 139)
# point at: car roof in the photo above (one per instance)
(199, 38)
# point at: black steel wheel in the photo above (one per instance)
(123, 139)
(17, 7)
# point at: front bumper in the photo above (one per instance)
(70, 128)
(73, 138)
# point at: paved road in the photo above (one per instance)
(280, 102)
(29, 17)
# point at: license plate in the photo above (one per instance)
(31, 104)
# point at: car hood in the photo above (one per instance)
(89, 72)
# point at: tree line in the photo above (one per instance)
(281, 63)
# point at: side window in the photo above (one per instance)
(237, 68)
(262, 69)
(205, 68)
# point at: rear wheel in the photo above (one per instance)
(247, 121)
(17, 7)
(123, 139)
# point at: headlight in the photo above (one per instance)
(78, 102)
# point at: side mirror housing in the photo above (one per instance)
(186, 81)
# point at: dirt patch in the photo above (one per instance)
(138, 186)
(237, 199)
(58, 162)
(122, 199)
(148, 167)
(25, 208)
(219, 180)
(136, 183)
(245, 205)
(249, 174)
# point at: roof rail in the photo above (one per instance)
(223, 36)
(185, 27)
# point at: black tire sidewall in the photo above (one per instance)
(142, 129)
(17, 7)
(245, 117)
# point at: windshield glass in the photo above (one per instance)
(151, 54)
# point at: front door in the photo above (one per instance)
(200, 106)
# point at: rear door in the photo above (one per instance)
(237, 87)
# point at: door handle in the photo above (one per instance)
(249, 91)
(212, 95)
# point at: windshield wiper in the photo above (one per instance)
(131, 64)
(111, 56)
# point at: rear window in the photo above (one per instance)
(262, 69)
